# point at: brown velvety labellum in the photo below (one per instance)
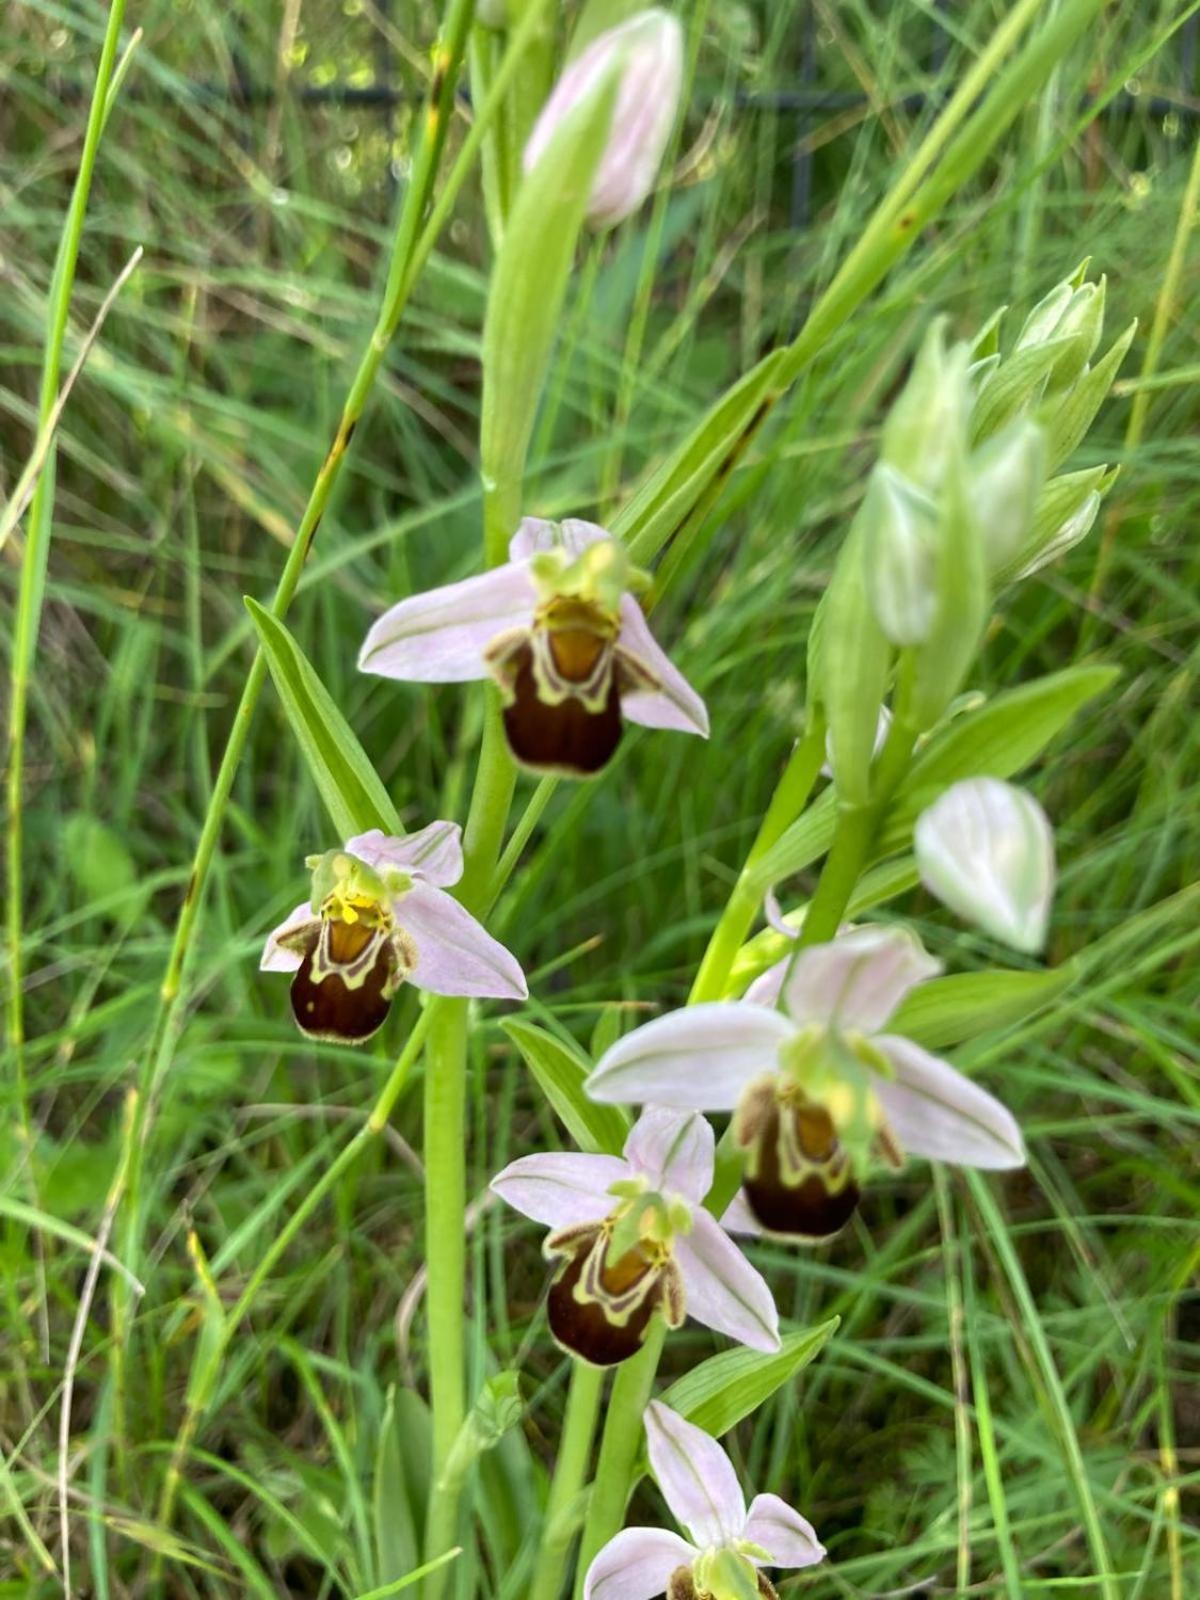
(330, 1010)
(563, 738)
(823, 1201)
(583, 1328)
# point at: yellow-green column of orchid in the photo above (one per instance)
(528, 287)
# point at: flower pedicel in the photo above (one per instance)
(379, 916)
(561, 634)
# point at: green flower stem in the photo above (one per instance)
(173, 994)
(570, 1471)
(37, 544)
(788, 801)
(618, 1450)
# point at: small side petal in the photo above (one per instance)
(440, 636)
(699, 1058)
(276, 959)
(456, 954)
(695, 1475)
(534, 534)
(786, 1535)
(637, 1565)
(559, 1187)
(723, 1290)
(738, 1217)
(676, 705)
(674, 1150)
(434, 853)
(857, 980)
(937, 1113)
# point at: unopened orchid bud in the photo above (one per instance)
(1042, 322)
(900, 548)
(986, 850)
(1082, 322)
(1005, 477)
(646, 53)
(929, 419)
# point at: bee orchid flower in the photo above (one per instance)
(379, 916)
(818, 1089)
(728, 1545)
(632, 1238)
(563, 637)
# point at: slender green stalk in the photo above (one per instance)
(570, 1471)
(173, 994)
(37, 544)
(618, 1449)
(962, 1423)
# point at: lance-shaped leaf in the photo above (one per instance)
(560, 1074)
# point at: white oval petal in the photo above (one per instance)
(699, 1058)
(696, 1477)
(937, 1113)
(456, 954)
(858, 979)
(434, 853)
(722, 1289)
(675, 704)
(674, 1150)
(788, 1537)
(440, 636)
(986, 850)
(560, 1187)
(636, 1564)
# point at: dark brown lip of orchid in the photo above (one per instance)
(329, 1007)
(825, 1197)
(582, 1326)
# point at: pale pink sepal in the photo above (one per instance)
(456, 954)
(572, 535)
(936, 1112)
(434, 853)
(858, 980)
(676, 705)
(636, 1564)
(673, 1150)
(560, 1188)
(699, 1058)
(787, 1537)
(696, 1477)
(723, 1290)
(738, 1217)
(440, 636)
(274, 957)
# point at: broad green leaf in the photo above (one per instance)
(529, 284)
(397, 1545)
(352, 790)
(727, 1387)
(946, 1011)
(799, 846)
(668, 496)
(998, 740)
(96, 854)
(597, 1129)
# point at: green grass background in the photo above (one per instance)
(185, 457)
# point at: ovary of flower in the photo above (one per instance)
(558, 629)
(817, 1088)
(378, 916)
(633, 1239)
(728, 1544)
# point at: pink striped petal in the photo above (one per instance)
(784, 1534)
(676, 705)
(674, 1150)
(723, 1290)
(696, 1477)
(274, 957)
(571, 535)
(561, 1188)
(857, 980)
(699, 1058)
(937, 1113)
(636, 1564)
(434, 853)
(440, 636)
(455, 954)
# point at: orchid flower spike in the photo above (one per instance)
(986, 849)
(646, 53)
(563, 637)
(379, 916)
(633, 1238)
(728, 1545)
(817, 1088)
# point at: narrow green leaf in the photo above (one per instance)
(853, 661)
(397, 1547)
(727, 1387)
(597, 1129)
(945, 1011)
(352, 790)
